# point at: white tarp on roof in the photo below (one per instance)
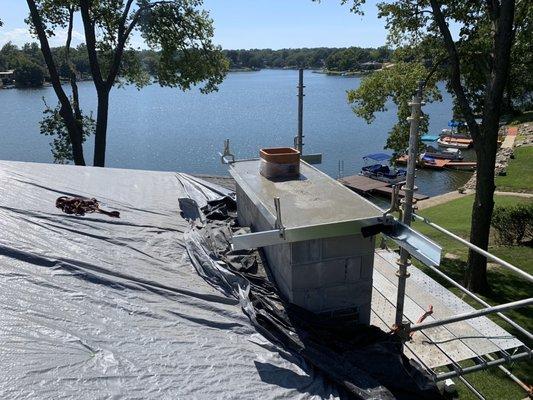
(95, 307)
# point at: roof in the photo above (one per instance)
(99, 307)
(9, 72)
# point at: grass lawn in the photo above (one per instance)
(505, 287)
(519, 172)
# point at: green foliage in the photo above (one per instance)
(28, 74)
(520, 84)
(419, 46)
(512, 224)
(179, 30)
(53, 125)
(334, 59)
(183, 34)
(348, 60)
(397, 84)
(142, 64)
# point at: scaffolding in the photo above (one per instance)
(482, 361)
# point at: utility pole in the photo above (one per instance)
(408, 188)
(299, 139)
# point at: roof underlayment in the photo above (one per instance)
(95, 307)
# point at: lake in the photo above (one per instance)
(165, 129)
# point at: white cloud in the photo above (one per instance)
(17, 36)
(20, 36)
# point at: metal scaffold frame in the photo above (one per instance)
(405, 327)
(506, 358)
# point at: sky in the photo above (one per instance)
(245, 24)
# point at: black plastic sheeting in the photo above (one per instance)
(364, 361)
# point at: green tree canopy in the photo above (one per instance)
(28, 74)
(476, 68)
(396, 83)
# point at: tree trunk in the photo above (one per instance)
(101, 128)
(476, 272)
(66, 111)
(487, 144)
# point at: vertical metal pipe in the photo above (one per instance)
(408, 189)
(300, 136)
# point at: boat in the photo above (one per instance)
(453, 139)
(429, 138)
(449, 132)
(425, 162)
(456, 143)
(380, 171)
(444, 154)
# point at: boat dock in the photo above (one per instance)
(438, 163)
(366, 186)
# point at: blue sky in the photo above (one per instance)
(252, 24)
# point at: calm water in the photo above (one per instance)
(165, 129)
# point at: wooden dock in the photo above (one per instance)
(464, 165)
(366, 186)
(439, 163)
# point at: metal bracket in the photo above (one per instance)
(394, 202)
(416, 244)
(279, 223)
(312, 158)
(400, 272)
(402, 330)
(227, 157)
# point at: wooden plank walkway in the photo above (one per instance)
(366, 186)
(508, 142)
(438, 163)
(464, 165)
(438, 346)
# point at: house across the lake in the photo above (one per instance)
(7, 77)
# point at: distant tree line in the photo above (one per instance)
(30, 69)
(334, 59)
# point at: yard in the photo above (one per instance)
(519, 176)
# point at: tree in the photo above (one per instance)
(28, 74)
(476, 68)
(177, 28)
(9, 56)
(53, 125)
(397, 83)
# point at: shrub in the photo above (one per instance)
(512, 224)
